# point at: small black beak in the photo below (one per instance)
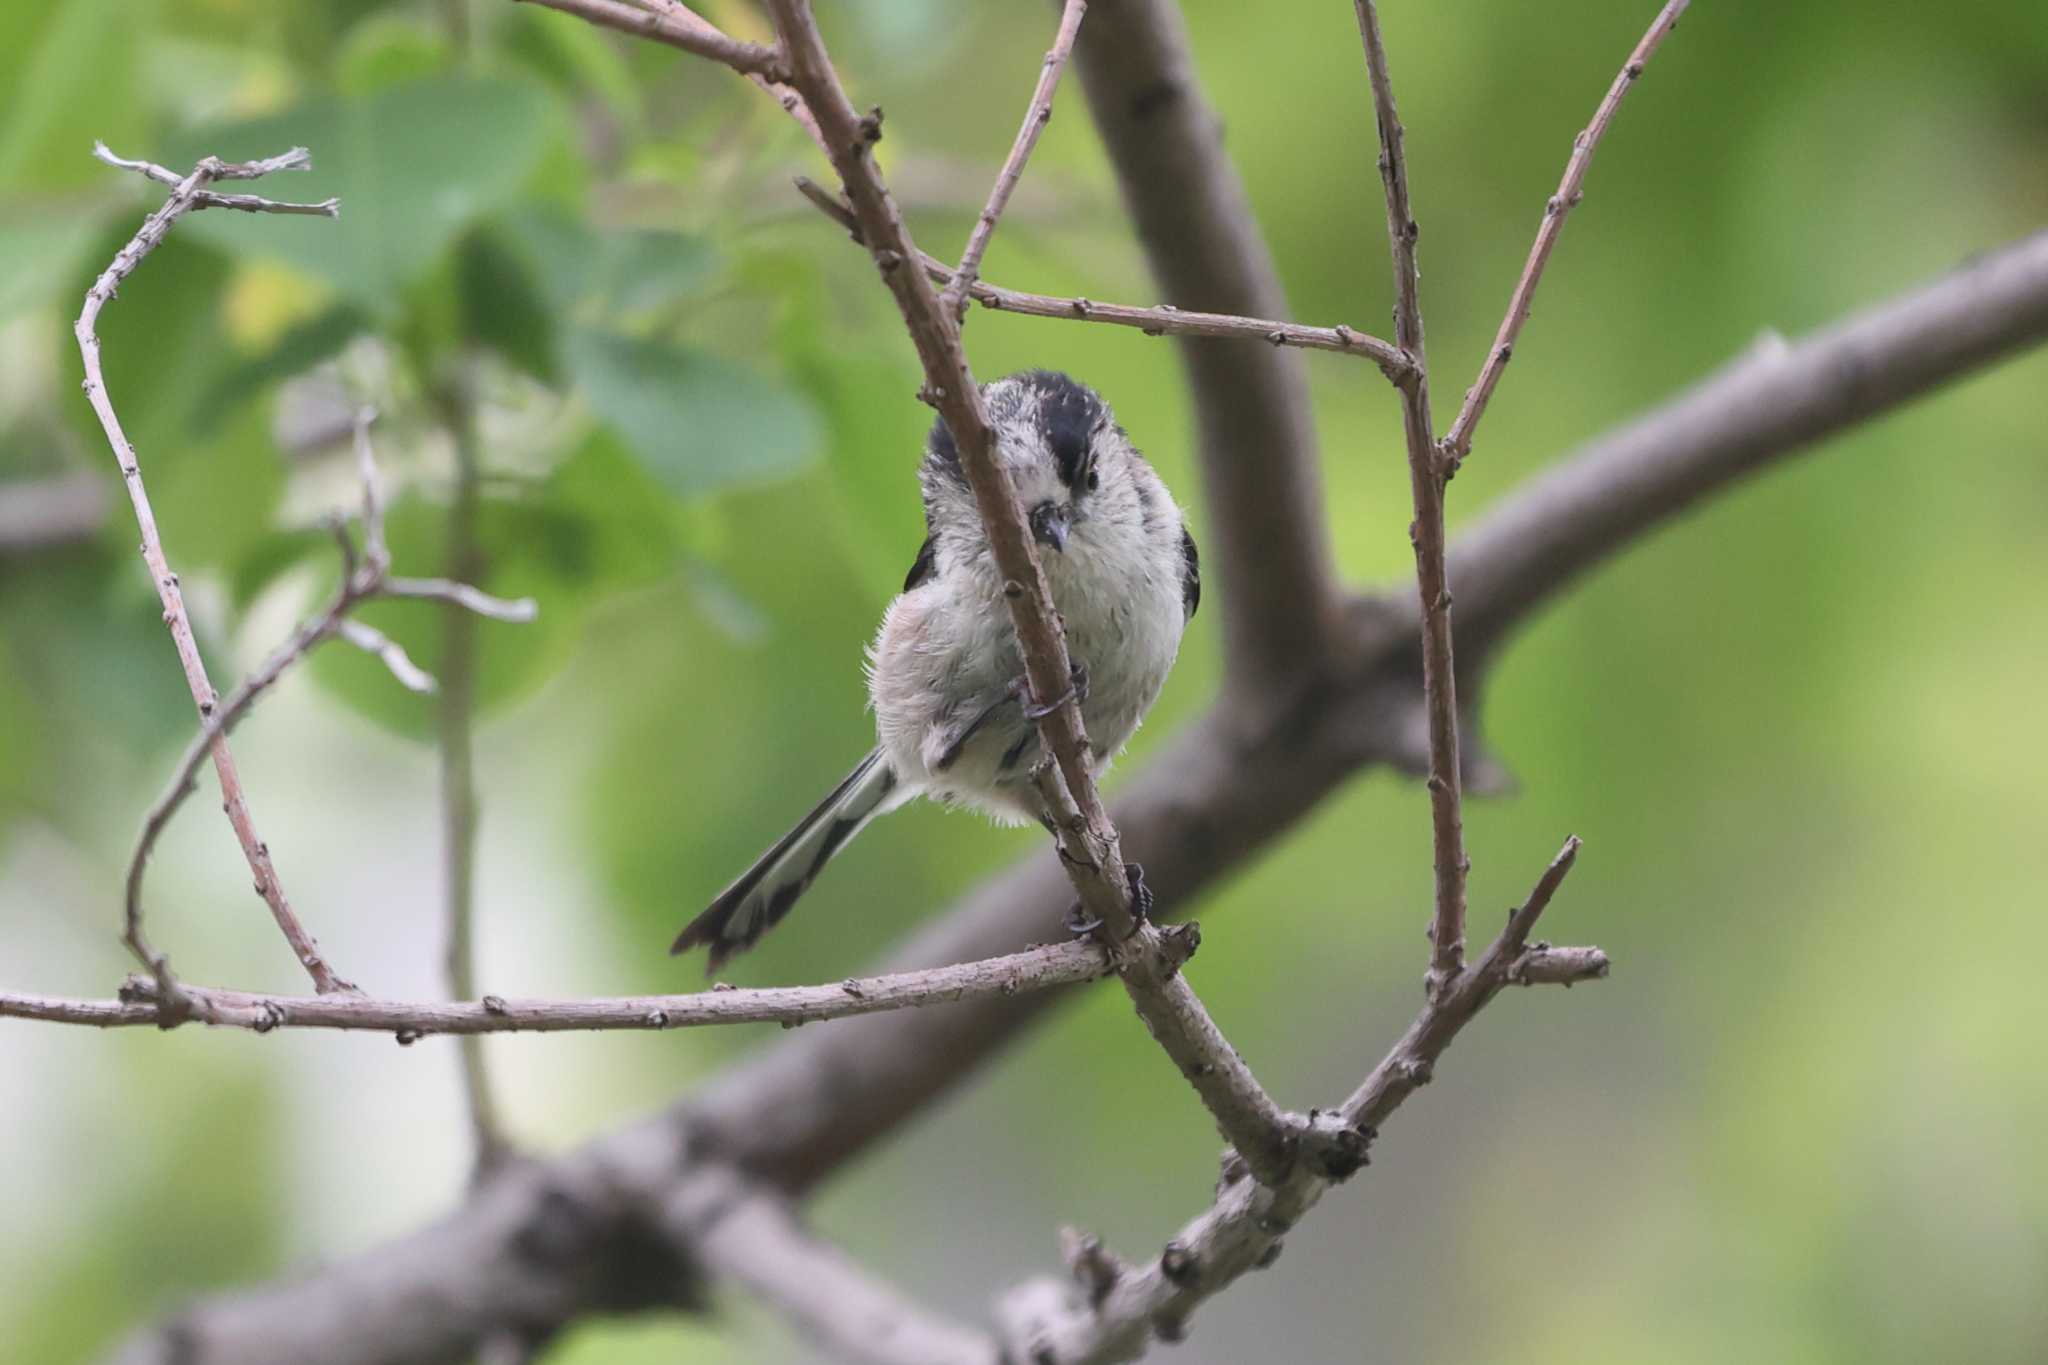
(1050, 524)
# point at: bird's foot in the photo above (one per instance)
(1141, 894)
(1077, 692)
(1081, 924)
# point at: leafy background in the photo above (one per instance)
(1800, 731)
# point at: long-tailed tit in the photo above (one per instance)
(953, 716)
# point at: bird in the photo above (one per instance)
(955, 720)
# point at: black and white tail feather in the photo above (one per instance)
(944, 671)
(762, 895)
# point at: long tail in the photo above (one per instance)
(756, 903)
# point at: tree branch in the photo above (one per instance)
(455, 725)
(1242, 1230)
(1035, 118)
(752, 1237)
(185, 197)
(140, 1002)
(1771, 402)
(1426, 479)
(1089, 842)
(363, 577)
(683, 31)
(1161, 320)
(547, 1243)
(1457, 443)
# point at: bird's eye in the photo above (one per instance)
(1094, 481)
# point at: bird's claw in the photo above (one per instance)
(1081, 924)
(1141, 894)
(1077, 692)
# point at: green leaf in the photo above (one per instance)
(596, 527)
(39, 249)
(161, 344)
(648, 268)
(502, 305)
(387, 50)
(697, 422)
(318, 338)
(68, 73)
(635, 270)
(413, 166)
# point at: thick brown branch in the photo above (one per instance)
(1457, 443)
(752, 1237)
(1036, 116)
(1426, 483)
(1268, 538)
(1033, 969)
(184, 198)
(1773, 401)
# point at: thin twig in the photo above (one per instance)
(700, 38)
(209, 199)
(1457, 443)
(775, 87)
(1426, 484)
(184, 198)
(456, 725)
(1060, 964)
(1163, 320)
(1242, 1230)
(1035, 118)
(515, 610)
(391, 654)
(1089, 844)
(363, 577)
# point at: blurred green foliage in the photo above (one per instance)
(1800, 732)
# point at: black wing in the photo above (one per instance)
(927, 564)
(1190, 574)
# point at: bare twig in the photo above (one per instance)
(1089, 845)
(391, 654)
(1242, 1230)
(777, 87)
(1457, 443)
(246, 203)
(184, 198)
(1426, 483)
(1035, 118)
(751, 1235)
(363, 577)
(1163, 320)
(1218, 795)
(458, 772)
(664, 26)
(1034, 969)
(515, 610)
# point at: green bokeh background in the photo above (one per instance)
(1801, 731)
